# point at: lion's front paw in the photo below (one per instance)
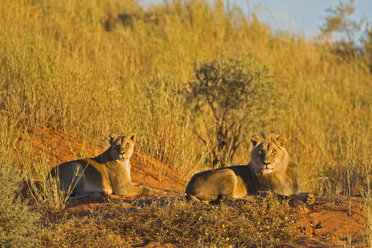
(310, 199)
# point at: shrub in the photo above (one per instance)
(232, 96)
(367, 46)
(17, 220)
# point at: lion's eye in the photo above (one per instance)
(273, 152)
(261, 151)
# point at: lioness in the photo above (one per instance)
(107, 173)
(270, 169)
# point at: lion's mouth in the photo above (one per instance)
(266, 170)
(122, 156)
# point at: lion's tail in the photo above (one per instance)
(137, 189)
(190, 197)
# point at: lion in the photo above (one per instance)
(270, 169)
(108, 173)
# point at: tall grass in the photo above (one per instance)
(94, 67)
(47, 192)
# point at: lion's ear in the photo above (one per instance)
(112, 139)
(256, 139)
(132, 137)
(281, 141)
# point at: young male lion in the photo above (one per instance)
(107, 173)
(270, 169)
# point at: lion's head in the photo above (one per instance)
(269, 154)
(122, 147)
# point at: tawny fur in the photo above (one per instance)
(270, 169)
(107, 173)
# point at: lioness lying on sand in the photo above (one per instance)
(270, 169)
(107, 173)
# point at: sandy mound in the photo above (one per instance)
(331, 222)
(56, 148)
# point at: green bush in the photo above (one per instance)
(17, 220)
(233, 96)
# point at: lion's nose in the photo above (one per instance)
(266, 163)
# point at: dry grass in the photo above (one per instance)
(94, 67)
(71, 231)
(64, 68)
(262, 222)
(369, 220)
(46, 192)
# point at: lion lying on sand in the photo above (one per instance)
(107, 173)
(270, 169)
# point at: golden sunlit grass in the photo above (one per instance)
(63, 68)
(46, 192)
(93, 67)
(261, 222)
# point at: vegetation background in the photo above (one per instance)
(90, 68)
